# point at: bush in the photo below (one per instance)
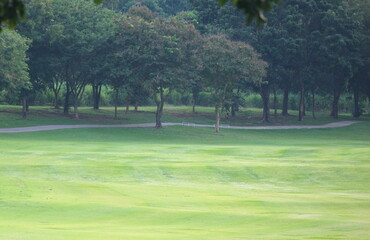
(205, 99)
(254, 100)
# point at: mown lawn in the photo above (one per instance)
(181, 183)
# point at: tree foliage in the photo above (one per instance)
(228, 64)
(13, 61)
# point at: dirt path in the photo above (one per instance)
(55, 127)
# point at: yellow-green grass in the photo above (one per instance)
(181, 183)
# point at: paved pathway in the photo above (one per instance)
(55, 127)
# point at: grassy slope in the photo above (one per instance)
(182, 183)
(185, 183)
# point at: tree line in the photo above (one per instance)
(75, 44)
(311, 46)
(153, 47)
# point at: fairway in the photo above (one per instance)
(184, 120)
(181, 183)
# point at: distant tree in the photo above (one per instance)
(66, 36)
(11, 11)
(14, 74)
(360, 82)
(13, 60)
(160, 51)
(225, 64)
(339, 33)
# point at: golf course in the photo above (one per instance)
(184, 120)
(181, 182)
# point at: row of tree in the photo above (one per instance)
(311, 46)
(152, 47)
(75, 43)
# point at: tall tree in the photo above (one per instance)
(360, 82)
(226, 63)
(13, 65)
(160, 50)
(66, 35)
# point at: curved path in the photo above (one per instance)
(55, 127)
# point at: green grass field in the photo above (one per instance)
(181, 183)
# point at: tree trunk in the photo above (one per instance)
(335, 104)
(301, 104)
(218, 114)
(116, 92)
(127, 109)
(265, 93)
(275, 103)
(115, 110)
(75, 106)
(96, 95)
(56, 95)
(195, 94)
(356, 112)
(235, 103)
(234, 108)
(24, 107)
(136, 106)
(158, 113)
(66, 101)
(285, 102)
(313, 104)
(304, 106)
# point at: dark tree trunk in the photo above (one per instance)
(24, 107)
(96, 95)
(115, 110)
(195, 93)
(27, 105)
(194, 102)
(285, 102)
(218, 114)
(301, 104)
(304, 106)
(275, 102)
(335, 104)
(116, 92)
(234, 108)
(136, 106)
(127, 109)
(56, 95)
(56, 87)
(235, 103)
(158, 113)
(66, 100)
(219, 104)
(75, 107)
(356, 96)
(313, 104)
(265, 94)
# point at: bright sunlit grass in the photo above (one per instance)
(185, 183)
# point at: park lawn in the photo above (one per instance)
(10, 116)
(181, 183)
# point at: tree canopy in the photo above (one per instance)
(12, 11)
(149, 51)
